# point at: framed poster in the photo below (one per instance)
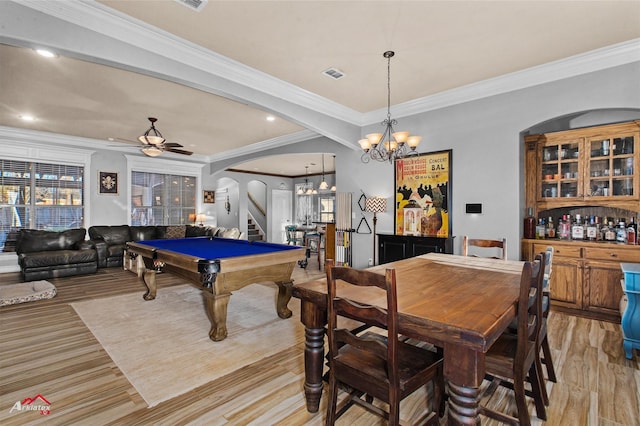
(108, 182)
(209, 197)
(423, 194)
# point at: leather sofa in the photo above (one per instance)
(110, 241)
(51, 254)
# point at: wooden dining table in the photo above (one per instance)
(460, 304)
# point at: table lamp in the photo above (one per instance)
(375, 205)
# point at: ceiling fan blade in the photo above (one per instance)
(179, 151)
(172, 145)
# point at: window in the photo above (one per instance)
(39, 196)
(327, 208)
(159, 199)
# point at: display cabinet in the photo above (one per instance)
(585, 277)
(590, 165)
(590, 171)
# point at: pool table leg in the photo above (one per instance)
(216, 305)
(284, 295)
(149, 278)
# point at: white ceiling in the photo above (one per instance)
(440, 46)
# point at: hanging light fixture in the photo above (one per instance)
(151, 151)
(333, 188)
(307, 188)
(389, 145)
(323, 185)
(152, 136)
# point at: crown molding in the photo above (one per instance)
(595, 60)
(114, 24)
(292, 138)
(111, 23)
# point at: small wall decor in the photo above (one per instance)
(108, 182)
(209, 197)
(423, 194)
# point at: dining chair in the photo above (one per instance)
(501, 245)
(511, 360)
(375, 364)
(546, 305)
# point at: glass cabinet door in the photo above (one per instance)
(560, 171)
(611, 167)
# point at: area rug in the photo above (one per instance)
(163, 347)
(11, 294)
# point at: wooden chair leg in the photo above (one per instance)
(521, 402)
(332, 402)
(548, 361)
(539, 373)
(536, 387)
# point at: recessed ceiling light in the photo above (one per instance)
(46, 53)
(271, 118)
(27, 117)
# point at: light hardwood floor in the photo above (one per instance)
(46, 349)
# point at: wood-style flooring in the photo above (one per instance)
(46, 349)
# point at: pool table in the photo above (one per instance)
(219, 266)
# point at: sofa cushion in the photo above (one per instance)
(35, 240)
(197, 231)
(110, 234)
(57, 257)
(175, 231)
(141, 233)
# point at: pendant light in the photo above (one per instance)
(323, 185)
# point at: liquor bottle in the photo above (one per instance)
(610, 232)
(621, 232)
(530, 224)
(577, 229)
(551, 229)
(632, 231)
(598, 227)
(540, 229)
(563, 228)
(592, 229)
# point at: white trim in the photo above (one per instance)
(280, 141)
(162, 166)
(595, 60)
(111, 23)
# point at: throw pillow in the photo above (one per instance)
(175, 232)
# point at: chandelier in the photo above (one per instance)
(307, 188)
(389, 145)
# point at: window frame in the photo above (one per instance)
(163, 167)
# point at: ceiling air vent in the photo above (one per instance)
(196, 5)
(334, 73)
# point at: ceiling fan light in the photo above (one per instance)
(152, 140)
(151, 151)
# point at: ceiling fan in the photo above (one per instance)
(154, 144)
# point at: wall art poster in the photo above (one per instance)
(423, 194)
